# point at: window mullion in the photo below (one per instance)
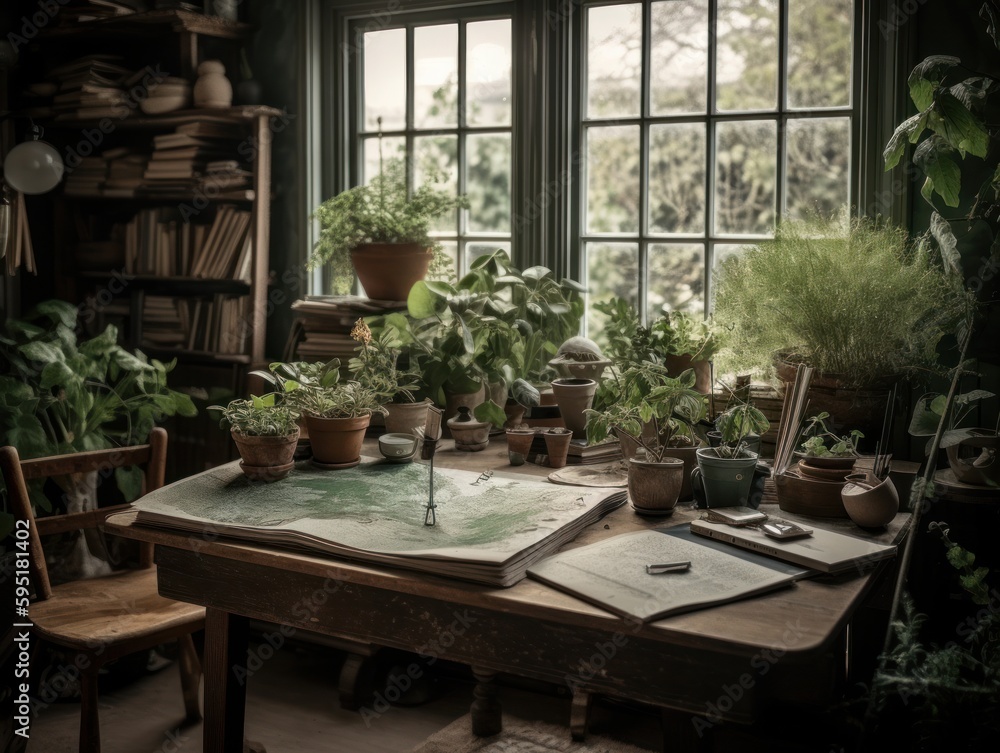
(460, 146)
(713, 20)
(410, 99)
(781, 164)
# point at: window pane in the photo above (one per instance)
(818, 165)
(445, 272)
(487, 72)
(612, 270)
(385, 79)
(614, 60)
(747, 55)
(819, 53)
(676, 280)
(720, 252)
(435, 158)
(745, 163)
(475, 249)
(677, 178)
(678, 56)
(393, 147)
(613, 179)
(435, 76)
(487, 182)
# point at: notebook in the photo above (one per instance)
(825, 551)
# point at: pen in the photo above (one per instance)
(668, 567)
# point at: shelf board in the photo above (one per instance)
(186, 286)
(200, 357)
(246, 195)
(151, 23)
(237, 115)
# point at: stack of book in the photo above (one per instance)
(225, 175)
(163, 322)
(227, 250)
(84, 11)
(126, 168)
(218, 325)
(180, 160)
(87, 178)
(322, 326)
(90, 87)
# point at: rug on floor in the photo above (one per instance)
(520, 736)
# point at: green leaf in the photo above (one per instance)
(972, 396)
(952, 121)
(947, 243)
(57, 311)
(927, 76)
(906, 132)
(129, 482)
(57, 374)
(102, 345)
(41, 352)
(128, 362)
(422, 303)
(27, 434)
(960, 558)
(944, 177)
(536, 273)
(490, 411)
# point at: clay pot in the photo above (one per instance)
(677, 365)
(455, 400)
(212, 89)
(336, 442)
(870, 502)
(654, 487)
(470, 435)
(690, 457)
(557, 446)
(266, 458)
(403, 418)
(519, 445)
(573, 396)
(974, 460)
(807, 496)
(515, 413)
(387, 271)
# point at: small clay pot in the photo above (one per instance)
(870, 502)
(557, 446)
(519, 445)
(574, 395)
(266, 458)
(655, 487)
(469, 434)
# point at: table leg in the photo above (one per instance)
(578, 713)
(487, 718)
(350, 676)
(226, 637)
(679, 735)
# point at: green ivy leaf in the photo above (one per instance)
(41, 352)
(129, 482)
(952, 120)
(56, 311)
(906, 132)
(491, 412)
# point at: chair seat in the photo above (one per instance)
(123, 607)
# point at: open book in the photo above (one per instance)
(612, 574)
(488, 530)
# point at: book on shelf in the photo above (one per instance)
(612, 574)
(489, 532)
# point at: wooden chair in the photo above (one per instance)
(103, 618)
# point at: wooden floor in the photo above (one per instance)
(292, 707)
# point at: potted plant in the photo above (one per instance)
(725, 472)
(59, 396)
(376, 365)
(972, 453)
(823, 448)
(382, 231)
(336, 412)
(265, 433)
(850, 297)
(652, 411)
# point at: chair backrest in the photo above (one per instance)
(17, 472)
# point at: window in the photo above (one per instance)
(702, 122)
(440, 95)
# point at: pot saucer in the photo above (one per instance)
(650, 512)
(335, 466)
(266, 472)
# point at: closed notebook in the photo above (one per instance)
(826, 551)
(612, 575)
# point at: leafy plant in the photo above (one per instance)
(316, 389)
(258, 417)
(376, 365)
(929, 409)
(58, 395)
(646, 395)
(850, 297)
(673, 333)
(383, 211)
(740, 420)
(818, 437)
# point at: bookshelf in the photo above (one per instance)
(165, 223)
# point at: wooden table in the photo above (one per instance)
(723, 664)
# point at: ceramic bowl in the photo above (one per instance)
(870, 502)
(163, 104)
(397, 447)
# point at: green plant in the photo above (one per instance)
(740, 420)
(376, 365)
(929, 409)
(646, 395)
(848, 297)
(818, 436)
(316, 389)
(258, 417)
(383, 211)
(673, 333)
(58, 395)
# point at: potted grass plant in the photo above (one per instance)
(381, 231)
(265, 432)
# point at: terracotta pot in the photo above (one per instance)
(266, 458)
(336, 442)
(557, 446)
(387, 271)
(655, 487)
(470, 435)
(807, 496)
(974, 460)
(519, 445)
(677, 365)
(573, 396)
(515, 414)
(456, 400)
(821, 473)
(726, 481)
(403, 418)
(870, 502)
